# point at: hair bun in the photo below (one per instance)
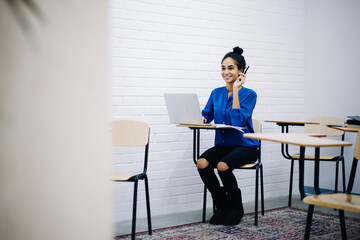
(238, 50)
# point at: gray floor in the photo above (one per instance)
(122, 228)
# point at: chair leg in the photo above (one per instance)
(134, 210)
(148, 204)
(291, 181)
(342, 224)
(204, 205)
(256, 195)
(343, 173)
(308, 222)
(262, 190)
(336, 176)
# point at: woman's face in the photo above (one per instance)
(229, 70)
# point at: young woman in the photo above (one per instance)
(232, 104)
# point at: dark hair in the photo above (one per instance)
(237, 56)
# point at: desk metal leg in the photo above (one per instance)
(317, 170)
(285, 153)
(301, 172)
(284, 128)
(204, 204)
(205, 189)
(291, 182)
(352, 177)
(308, 222)
(194, 147)
(342, 159)
(342, 224)
(285, 147)
(196, 154)
(198, 144)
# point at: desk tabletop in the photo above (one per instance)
(210, 126)
(299, 139)
(294, 123)
(346, 127)
(199, 126)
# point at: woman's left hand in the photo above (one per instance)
(239, 82)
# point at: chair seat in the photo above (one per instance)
(308, 157)
(122, 176)
(249, 165)
(342, 201)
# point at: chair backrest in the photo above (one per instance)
(130, 133)
(354, 164)
(257, 129)
(322, 128)
(357, 147)
(257, 125)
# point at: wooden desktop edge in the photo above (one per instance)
(347, 128)
(299, 139)
(272, 121)
(196, 126)
(216, 126)
(291, 122)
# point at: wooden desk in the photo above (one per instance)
(196, 148)
(196, 138)
(285, 124)
(285, 129)
(345, 127)
(285, 147)
(196, 151)
(303, 141)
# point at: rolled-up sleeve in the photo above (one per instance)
(240, 116)
(208, 111)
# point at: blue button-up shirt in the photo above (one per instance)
(219, 108)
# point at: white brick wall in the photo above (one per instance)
(162, 46)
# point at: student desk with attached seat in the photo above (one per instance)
(284, 124)
(196, 137)
(303, 141)
(196, 146)
(285, 129)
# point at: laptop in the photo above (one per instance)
(183, 108)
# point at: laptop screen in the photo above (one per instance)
(183, 108)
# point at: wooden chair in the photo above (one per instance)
(257, 166)
(128, 133)
(323, 129)
(341, 201)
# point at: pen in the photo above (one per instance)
(246, 69)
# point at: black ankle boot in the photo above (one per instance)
(220, 208)
(235, 209)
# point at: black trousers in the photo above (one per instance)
(234, 157)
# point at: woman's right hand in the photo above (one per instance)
(204, 120)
